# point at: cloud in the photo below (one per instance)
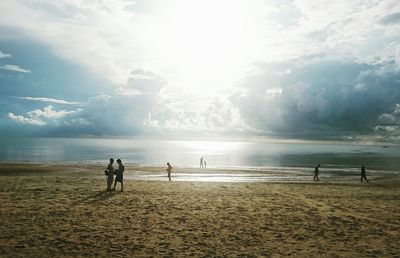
(123, 113)
(79, 121)
(50, 100)
(42, 117)
(388, 125)
(218, 117)
(14, 68)
(104, 114)
(141, 82)
(49, 113)
(393, 18)
(150, 122)
(145, 82)
(326, 12)
(99, 47)
(321, 100)
(25, 120)
(346, 30)
(349, 29)
(311, 67)
(4, 55)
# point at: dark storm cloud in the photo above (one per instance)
(319, 100)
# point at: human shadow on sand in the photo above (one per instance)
(99, 196)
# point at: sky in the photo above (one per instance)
(293, 69)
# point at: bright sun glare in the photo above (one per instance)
(207, 33)
(208, 42)
(212, 147)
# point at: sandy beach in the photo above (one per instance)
(64, 210)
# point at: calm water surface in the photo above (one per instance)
(230, 154)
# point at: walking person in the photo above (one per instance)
(119, 175)
(316, 173)
(201, 162)
(169, 168)
(363, 174)
(110, 174)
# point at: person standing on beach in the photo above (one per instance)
(169, 168)
(316, 173)
(201, 162)
(110, 175)
(119, 175)
(205, 164)
(363, 174)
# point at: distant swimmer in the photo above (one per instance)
(169, 168)
(363, 174)
(201, 162)
(316, 173)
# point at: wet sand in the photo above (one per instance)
(64, 211)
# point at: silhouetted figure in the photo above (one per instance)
(363, 174)
(110, 174)
(169, 168)
(205, 164)
(316, 173)
(119, 175)
(201, 162)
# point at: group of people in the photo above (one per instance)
(363, 173)
(119, 175)
(203, 163)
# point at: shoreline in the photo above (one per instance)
(231, 168)
(191, 174)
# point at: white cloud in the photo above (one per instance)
(49, 113)
(25, 120)
(348, 30)
(4, 55)
(14, 68)
(100, 98)
(150, 122)
(50, 100)
(323, 13)
(390, 119)
(220, 116)
(397, 109)
(79, 31)
(127, 91)
(41, 116)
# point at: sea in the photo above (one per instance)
(238, 154)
